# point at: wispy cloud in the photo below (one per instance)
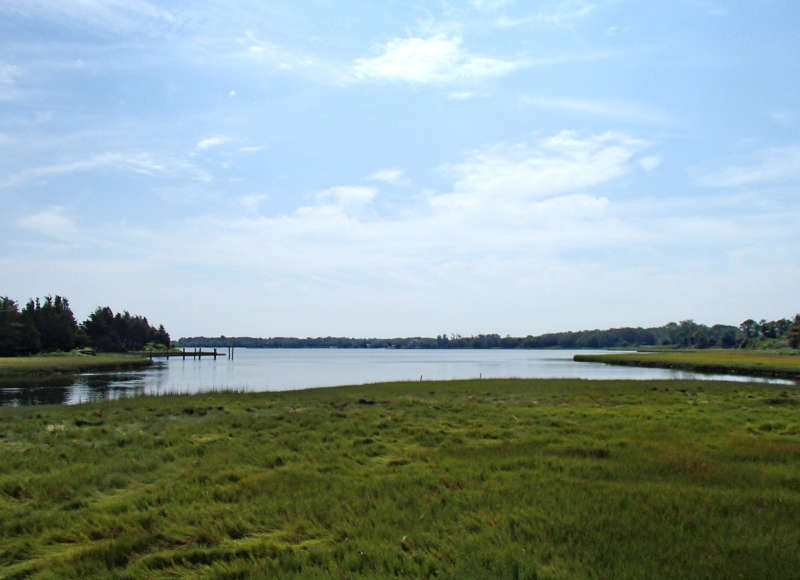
(784, 117)
(251, 149)
(273, 55)
(650, 162)
(610, 109)
(210, 142)
(104, 16)
(563, 13)
(348, 195)
(141, 163)
(8, 81)
(490, 5)
(773, 165)
(461, 95)
(436, 59)
(51, 222)
(554, 165)
(391, 176)
(252, 202)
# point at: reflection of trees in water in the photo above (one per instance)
(70, 390)
(34, 396)
(97, 387)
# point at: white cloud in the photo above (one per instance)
(50, 222)
(8, 81)
(490, 5)
(567, 11)
(348, 195)
(563, 13)
(542, 230)
(650, 162)
(555, 165)
(216, 141)
(103, 15)
(461, 95)
(620, 110)
(774, 165)
(784, 117)
(252, 202)
(141, 163)
(392, 176)
(437, 59)
(273, 55)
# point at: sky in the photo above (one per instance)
(379, 169)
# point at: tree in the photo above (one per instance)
(750, 328)
(54, 322)
(794, 332)
(99, 328)
(109, 332)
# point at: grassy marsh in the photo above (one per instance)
(715, 361)
(66, 363)
(466, 479)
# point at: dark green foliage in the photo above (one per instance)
(109, 332)
(48, 325)
(794, 332)
(17, 335)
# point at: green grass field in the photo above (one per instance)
(462, 479)
(715, 361)
(49, 364)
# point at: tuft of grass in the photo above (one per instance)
(457, 479)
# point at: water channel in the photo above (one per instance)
(254, 370)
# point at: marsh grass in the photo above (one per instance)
(754, 363)
(65, 364)
(461, 479)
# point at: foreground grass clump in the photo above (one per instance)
(714, 361)
(71, 363)
(462, 479)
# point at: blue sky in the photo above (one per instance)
(400, 168)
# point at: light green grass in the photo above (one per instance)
(715, 361)
(49, 364)
(465, 479)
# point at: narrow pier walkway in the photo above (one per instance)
(196, 353)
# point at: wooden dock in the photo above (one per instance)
(196, 353)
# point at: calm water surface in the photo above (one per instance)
(286, 369)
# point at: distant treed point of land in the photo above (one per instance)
(774, 334)
(48, 325)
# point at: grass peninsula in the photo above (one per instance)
(456, 479)
(57, 364)
(728, 361)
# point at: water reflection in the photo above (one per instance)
(286, 369)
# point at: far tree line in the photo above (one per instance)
(48, 325)
(685, 334)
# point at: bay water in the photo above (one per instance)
(253, 370)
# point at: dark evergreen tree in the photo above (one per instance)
(794, 332)
(54, 322)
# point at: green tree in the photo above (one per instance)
(54, 322)
(794, 332)
(750, 328)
